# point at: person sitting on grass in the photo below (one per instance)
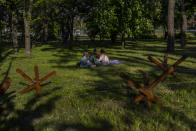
(84, 61)
(93, 56)
(97, 54)
(103, 59)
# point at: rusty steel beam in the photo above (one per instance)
(164, 64)
(5, 85)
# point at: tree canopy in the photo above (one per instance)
(41, 20)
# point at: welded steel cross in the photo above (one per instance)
(164, 64)
(146, 90)
(5, 85)
(35, 83)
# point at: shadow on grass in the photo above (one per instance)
(6, 104)
(5, 51)
(7, 72)
(132, 47)
(2, 58)
(101, 125)
(23, 118)
(109, 87)
(164, 116)
(185, 70)
(6, 98)
(179, 116)
(161, 47)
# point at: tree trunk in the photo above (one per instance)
(65, 33)
(184, 25)
(100, 37)
(14, 33)
(124, 24)
(71, 27)
(27, 37)
(10, 29)
(51, 32)
(45, 21)
(123, 40)
(165, 33)
(0, 35)
(68, 34)
(113, 37)
(45, 32)
(170, 44)
(71, 30)
(27, 19)
(62, 31)
(23, 36)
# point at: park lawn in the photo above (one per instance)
(97, 98)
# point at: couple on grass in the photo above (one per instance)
(97, 58)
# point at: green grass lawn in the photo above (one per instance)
(97, 98)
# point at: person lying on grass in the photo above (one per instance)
(103, 59)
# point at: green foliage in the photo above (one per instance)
(2, 1)
(102, 20)
(135, 18)
(190, 7)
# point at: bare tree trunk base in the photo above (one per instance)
(171, 33)
(28, 53)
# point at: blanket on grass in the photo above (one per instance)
(115, 62)
(88, 65)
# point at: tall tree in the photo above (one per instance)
(124, 23)
(68, 9)
(3, 17)
(12, 6)
(14, 32)
(163, 17)
(171, 37)
(27, 19)
(184, 25)
(44, 14)
(1, 21)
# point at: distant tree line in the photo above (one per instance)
(42, 20)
